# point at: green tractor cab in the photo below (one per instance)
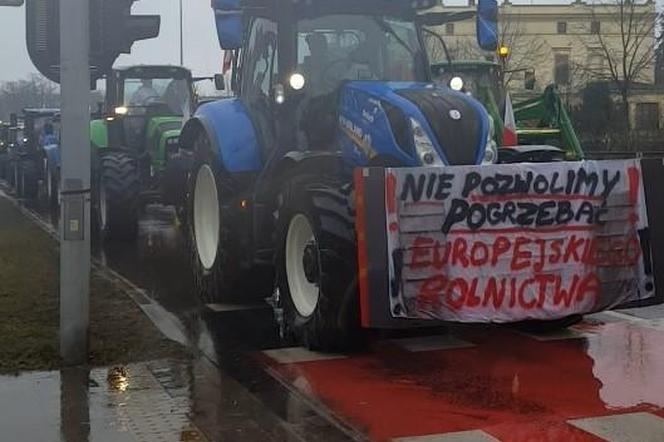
(542, 121)
(135, 142)
(479, 78)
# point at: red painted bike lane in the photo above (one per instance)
(513, 387)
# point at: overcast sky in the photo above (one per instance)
(202, 53)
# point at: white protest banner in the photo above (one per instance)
(514, 242)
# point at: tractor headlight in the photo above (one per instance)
(491, 151)
(121, 110)
(456, 84)
(424, 147)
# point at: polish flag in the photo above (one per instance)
(228, 62)
(509, 132)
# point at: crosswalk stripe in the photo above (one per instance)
(461, 436)
(631, 427)
(295, 355)
(227, 308)
(432, 343)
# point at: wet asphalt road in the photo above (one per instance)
(226, 339)
(602, 380)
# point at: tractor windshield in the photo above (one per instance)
(172, 96)
(337, 48)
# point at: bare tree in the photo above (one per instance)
(35, 91)
(624, 36)
(524, 50)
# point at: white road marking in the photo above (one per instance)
(222, 308)
(631, 427)
(432, 343)
(461, 436)
(655, 323)
(567, 333)
(294, 355)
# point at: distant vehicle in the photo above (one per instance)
(135, 145)
(26, 158)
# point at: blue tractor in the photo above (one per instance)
(321, 87)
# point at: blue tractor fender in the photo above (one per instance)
(231, 133)
(52, 153)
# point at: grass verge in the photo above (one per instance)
(119, 331)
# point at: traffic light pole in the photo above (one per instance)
(75, 184)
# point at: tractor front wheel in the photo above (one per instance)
(213, 224)
(117, 197)
(28, 176)
(316, 263)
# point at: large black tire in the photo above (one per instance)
(29, 174)
(174, 181)
(52, 181)
(329, 262)
(224, 276)
(12, 172)
(4, 162)
(117, 197)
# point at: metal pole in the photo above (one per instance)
(75, 172)
(181, 36)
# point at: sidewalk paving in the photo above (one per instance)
(145, 402)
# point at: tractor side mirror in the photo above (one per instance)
(230, 23)
(487, 24)
(219, 82)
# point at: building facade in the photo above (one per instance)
(569, 45)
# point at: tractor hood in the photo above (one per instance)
(415, 124)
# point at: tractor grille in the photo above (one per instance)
(460, 139)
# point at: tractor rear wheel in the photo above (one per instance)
(117, 197)
(221, 273)
(317, 264)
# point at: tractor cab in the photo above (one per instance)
(346, 76)
(146, 101)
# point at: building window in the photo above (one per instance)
(529, 80)
(561, 74)
(595, 27)
(647, 116)
(449, 28)
(596, 59)
(562, 27)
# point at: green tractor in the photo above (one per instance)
(542, 120)
(135, 145)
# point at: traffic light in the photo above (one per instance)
(113, 31)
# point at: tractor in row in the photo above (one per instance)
(320, 89)
(134, 140)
